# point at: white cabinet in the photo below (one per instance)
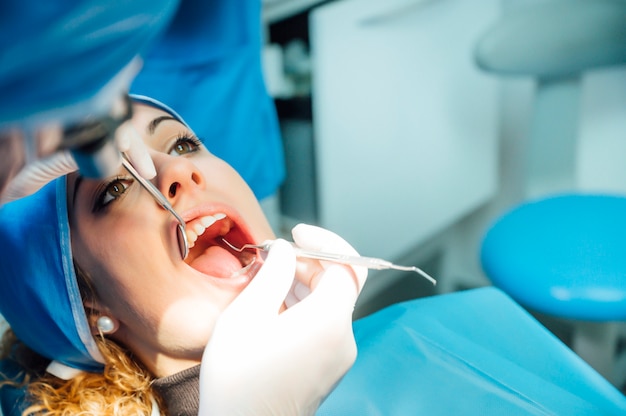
(405, 125)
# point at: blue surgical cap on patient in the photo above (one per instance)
(40, 298)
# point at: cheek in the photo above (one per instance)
(188, 322)
(104, 250)
(130, 224)
(113, 250)
(157, 302)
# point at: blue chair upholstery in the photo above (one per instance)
(560, 252)
(467, 353)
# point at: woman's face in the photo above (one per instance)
(165, 307)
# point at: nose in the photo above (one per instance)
(176, 175)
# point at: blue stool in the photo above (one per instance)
(565, 256)
(560, 252)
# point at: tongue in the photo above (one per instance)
(216, 261)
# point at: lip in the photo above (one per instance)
(238, 233)
(243, 233)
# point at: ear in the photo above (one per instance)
(101, 320)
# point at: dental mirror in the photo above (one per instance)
(181, 235)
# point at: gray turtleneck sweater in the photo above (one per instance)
(181, 392)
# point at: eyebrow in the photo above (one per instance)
(151, 128)
(155, 123)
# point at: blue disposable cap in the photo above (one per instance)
(40, 295)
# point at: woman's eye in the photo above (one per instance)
(185, 145)
(112, 191)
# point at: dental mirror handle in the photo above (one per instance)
(152, 190)
(181, 234)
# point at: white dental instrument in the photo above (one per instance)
(161, 200)
(369, 262)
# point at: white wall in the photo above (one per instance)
(601, 157)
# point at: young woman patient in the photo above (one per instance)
(94, 285)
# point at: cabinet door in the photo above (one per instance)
(405, 123)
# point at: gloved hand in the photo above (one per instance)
(35, 175)
(130, 142)
(261, 361)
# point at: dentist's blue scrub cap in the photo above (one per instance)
(62, 58)
(39, 297)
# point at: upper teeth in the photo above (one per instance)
(200, 226)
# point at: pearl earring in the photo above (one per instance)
(105, 324)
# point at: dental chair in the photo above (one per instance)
(471, 353)
(475, 352)
(560, 252)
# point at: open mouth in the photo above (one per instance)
(210, 255)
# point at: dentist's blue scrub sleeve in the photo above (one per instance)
(207, 67)
(56, 55)
(467, 353)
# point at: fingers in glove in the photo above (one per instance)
(34, 176)
(335, 289)
(130, 142)
(266, 292)
(327, 311)
(315, 238)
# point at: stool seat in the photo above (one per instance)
(563, 256)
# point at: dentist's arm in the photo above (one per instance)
(37, 174)
(261, 361)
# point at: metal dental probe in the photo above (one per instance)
(369, 262)
(161, 200)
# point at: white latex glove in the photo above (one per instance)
(130, 142)
(317, 239)
(261, 361)
(35, 175)
(38, 173)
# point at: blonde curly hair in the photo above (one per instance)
(123, 388)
